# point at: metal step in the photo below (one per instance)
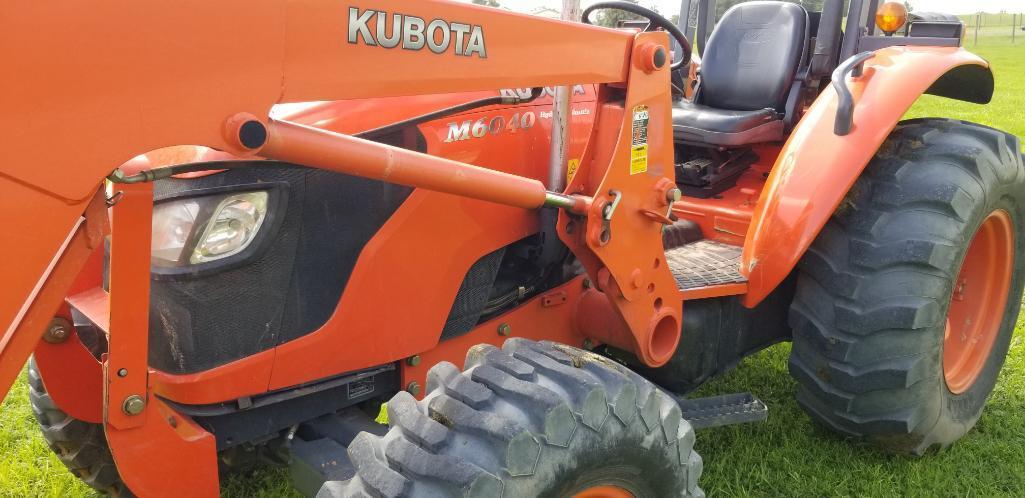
(728, 409)
(705, 263)
(319, 449)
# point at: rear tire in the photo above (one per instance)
(530, 419)
(875, 288)
(80, 446)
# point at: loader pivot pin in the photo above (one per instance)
(245, 132)
(252, 134)
(659, 59)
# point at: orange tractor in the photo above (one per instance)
(323, 206)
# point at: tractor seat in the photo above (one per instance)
(748, 72)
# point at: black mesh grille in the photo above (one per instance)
(473, 295)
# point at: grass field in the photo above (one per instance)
(786, 456)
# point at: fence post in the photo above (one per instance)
(978, 22)
(1014, 26)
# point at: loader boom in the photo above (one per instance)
(122, 78)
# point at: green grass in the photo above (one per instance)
(787, 455)
(1007, 111)
(994, 20)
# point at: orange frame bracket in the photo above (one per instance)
(141, 429)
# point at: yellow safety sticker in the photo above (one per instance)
(571, 168)
(639, 141)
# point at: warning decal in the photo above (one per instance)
(639, 141)
(571, 168)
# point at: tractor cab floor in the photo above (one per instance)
(705, 263)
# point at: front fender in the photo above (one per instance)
(816, 167)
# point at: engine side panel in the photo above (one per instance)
(289, 294)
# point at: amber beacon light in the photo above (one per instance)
(891, 16)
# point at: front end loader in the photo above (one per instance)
(527, 239)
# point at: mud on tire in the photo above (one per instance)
(874, 288)
(530, 419)
(80, 446)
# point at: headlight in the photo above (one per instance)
(207, 228)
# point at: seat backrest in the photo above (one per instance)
(753, 56)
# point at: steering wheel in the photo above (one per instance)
(654, 21)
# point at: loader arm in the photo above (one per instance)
(90, 86)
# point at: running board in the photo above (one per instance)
(728, 409)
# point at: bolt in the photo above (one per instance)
(636, 278)
(673, 195)
(133, 405)
(504, 330)
(58, 331)
(413, 388)
(122, 372)
(588, 284)
(413, 360)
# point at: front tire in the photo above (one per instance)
(530, 419)
(893, 282)
(81, 446)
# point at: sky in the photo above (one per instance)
(946, 6)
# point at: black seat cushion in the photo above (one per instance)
(702, 124)
(720, 120)
(752, 57)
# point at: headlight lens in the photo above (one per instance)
(206, 228)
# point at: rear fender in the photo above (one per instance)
(816, 168)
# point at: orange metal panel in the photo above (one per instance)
(73, 378)
(816, 168)
(169, 456)
(245, 377)
(368, 327)
(173, 72)
(55, 273)
(725, 217)
(531, 320)
(94, 303)
(714, 291)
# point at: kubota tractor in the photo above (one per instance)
(531, 279)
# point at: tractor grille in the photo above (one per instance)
(201, 321)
